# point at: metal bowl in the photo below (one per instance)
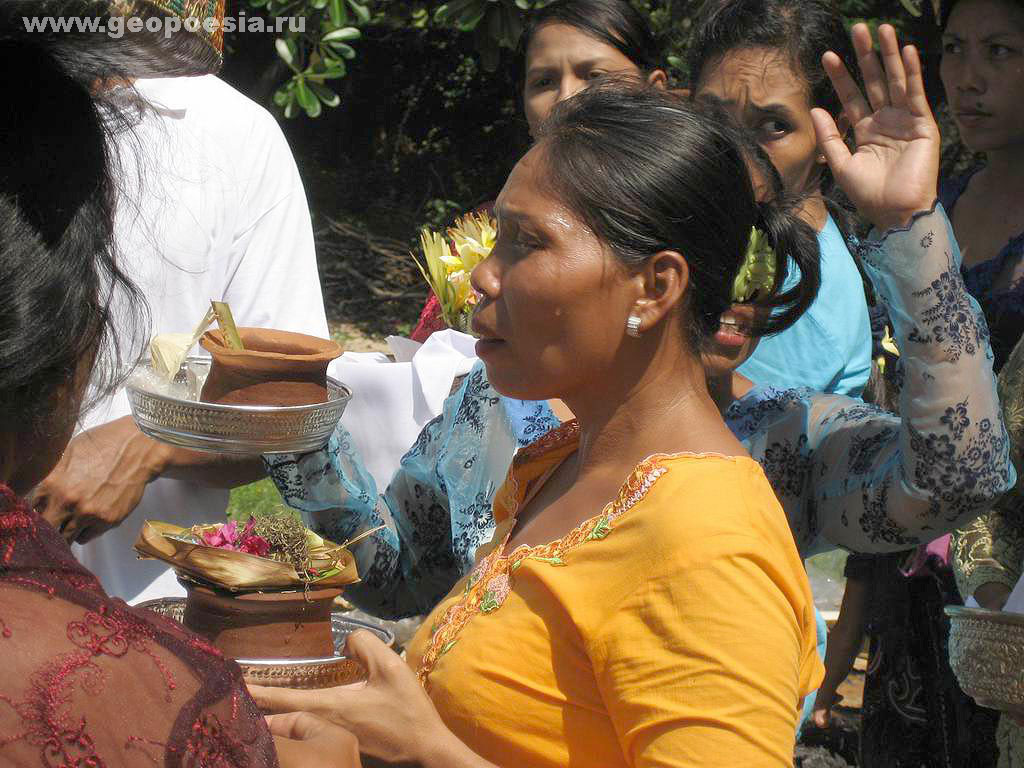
(236, 429)
(295, 673)
(986, 653)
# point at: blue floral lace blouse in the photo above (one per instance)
(846, 473)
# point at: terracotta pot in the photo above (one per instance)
(263, 625)
(276, 368)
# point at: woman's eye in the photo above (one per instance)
(951, 49)
(997, 51)
(773, 129)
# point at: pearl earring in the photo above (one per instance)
(633, 326)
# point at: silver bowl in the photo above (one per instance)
(236, 429)
(295, 673)
(986, 653)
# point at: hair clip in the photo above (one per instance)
(757, 273)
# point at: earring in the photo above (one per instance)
(633, 326)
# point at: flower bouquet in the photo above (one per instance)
(449, 262)
(263, 589)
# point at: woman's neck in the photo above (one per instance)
(1003, 173)
(726, 388)
(668, 410)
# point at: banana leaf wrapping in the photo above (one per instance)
(331, 565)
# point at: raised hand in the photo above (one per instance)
(893, 173)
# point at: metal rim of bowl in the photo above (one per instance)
(995, 617)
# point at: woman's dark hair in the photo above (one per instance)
(615, 22)
(57, 259)
(802, 29)
(649, 172)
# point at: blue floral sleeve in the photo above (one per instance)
(886, 483)
(437, 508)
(851, 475)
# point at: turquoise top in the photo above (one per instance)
(829, 348)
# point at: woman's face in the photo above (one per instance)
(983, 72)
(732, 345)
(761, 89)
(555, 300)
(562, 60)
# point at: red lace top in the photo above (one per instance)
(89, 681)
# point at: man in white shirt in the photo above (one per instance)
(212, 207)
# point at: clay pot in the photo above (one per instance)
(263, 625)
(276, 368)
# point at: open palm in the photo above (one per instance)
(893, 172)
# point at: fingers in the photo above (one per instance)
(892, 57)
(830, 142)
(870, 68)
(850, 96)
(917, 99)
(276, 700)
(295, 725)
(372, 653)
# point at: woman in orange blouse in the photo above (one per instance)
(671, 625)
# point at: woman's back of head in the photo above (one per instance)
(57, 262)
(649, 172)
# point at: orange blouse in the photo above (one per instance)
(675, 628)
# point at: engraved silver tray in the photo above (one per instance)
(236, 429)
(986, 653)
(295, 673)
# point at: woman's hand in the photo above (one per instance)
(894, 171)
(391, 715)
(307, 741)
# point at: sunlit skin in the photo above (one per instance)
(562, 60)
(983, 75)
(551, 321)
(760, 87)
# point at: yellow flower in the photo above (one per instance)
(473, 235)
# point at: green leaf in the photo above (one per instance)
(285, 52)
(344, 35)
(338, 13)
(347, 51)
(282, 96)
(318, 4)
(325, 94)
(304, 95)
(314, 109)
(361, 11)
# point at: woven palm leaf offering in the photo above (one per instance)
(260, 589)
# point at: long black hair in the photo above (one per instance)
(614, 22)
(648, 172)
(58, 268)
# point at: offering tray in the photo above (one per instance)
(986, 653)
(295, 673)
(172, 413)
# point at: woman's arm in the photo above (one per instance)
(880, 483)
(844, 643)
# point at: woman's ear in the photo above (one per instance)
(658, 79)
(663, 282)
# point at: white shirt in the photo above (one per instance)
(211, 206)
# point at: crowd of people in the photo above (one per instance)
(607, 524)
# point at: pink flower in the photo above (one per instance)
(223, 537)
(255, 545)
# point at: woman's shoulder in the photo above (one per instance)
(707, 501)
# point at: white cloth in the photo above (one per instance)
(211, 207)
(393, 401)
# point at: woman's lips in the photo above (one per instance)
(486, 347)
(731, 333)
